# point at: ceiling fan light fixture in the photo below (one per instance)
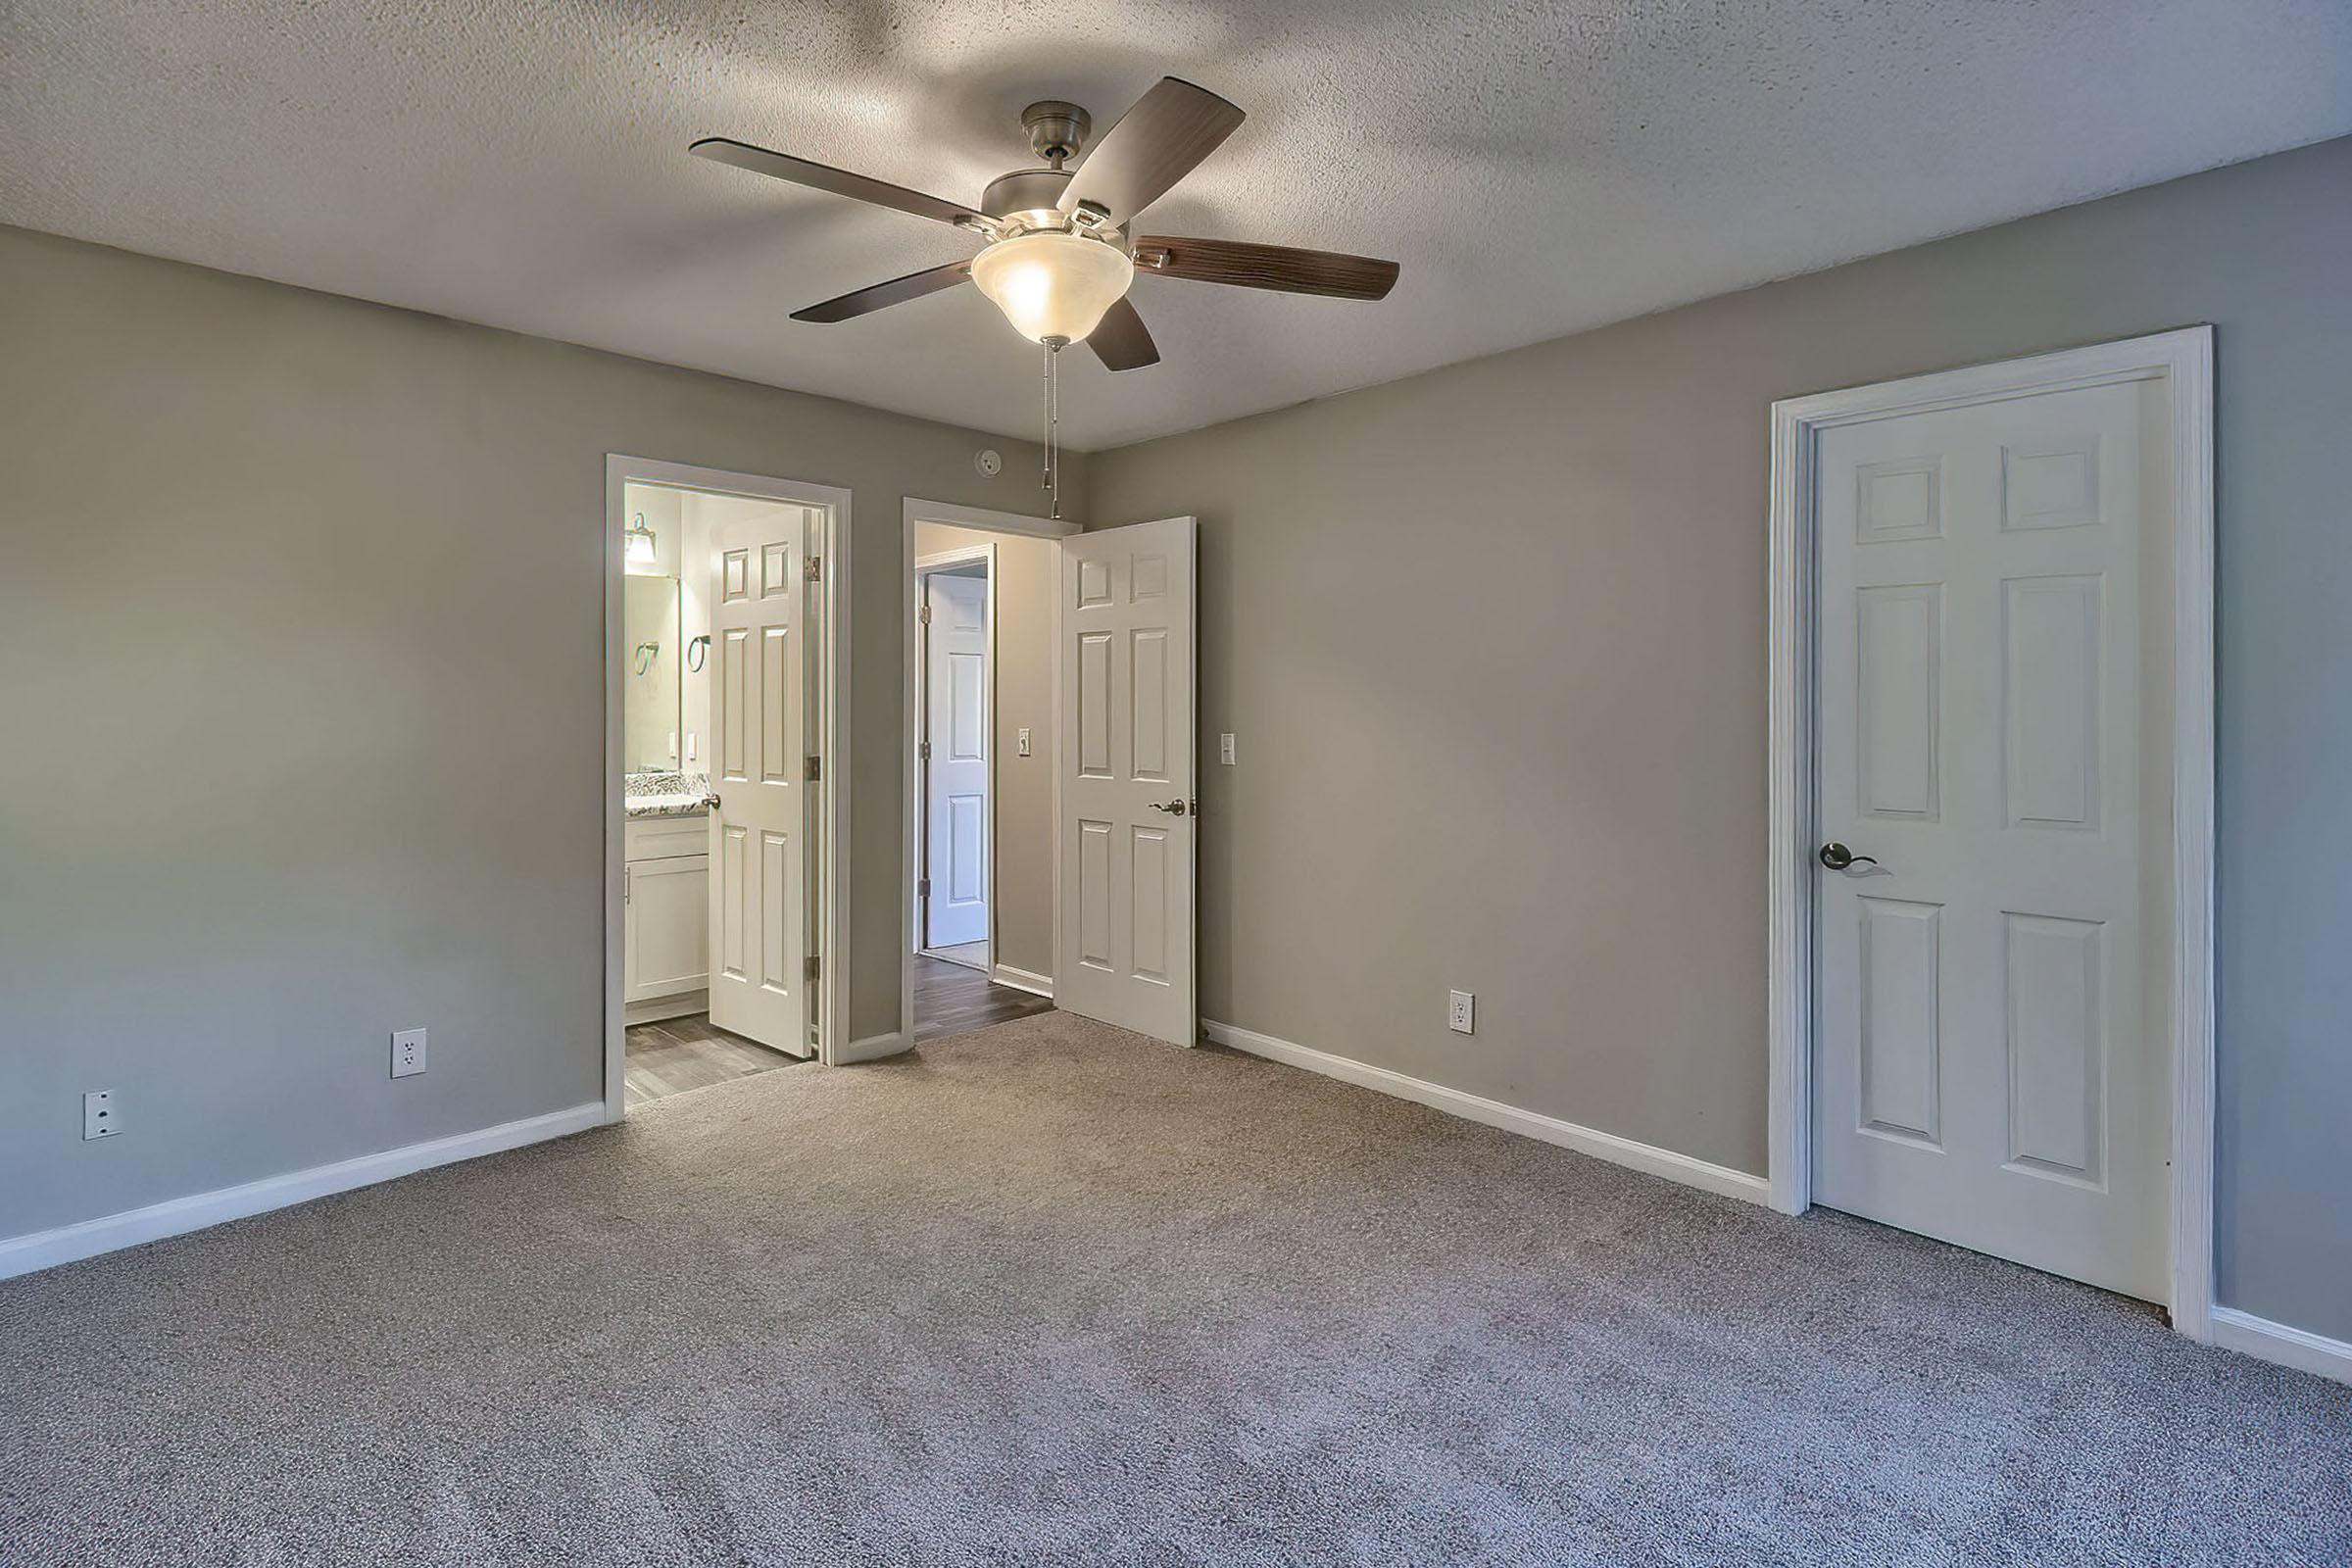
(1053, 283)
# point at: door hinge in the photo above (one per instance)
(922, 750)
(813, 966)
(816, 770)
(814, 568)
(627, 878)
(922, 886)
(924, 615)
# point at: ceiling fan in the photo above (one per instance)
(1061, 248)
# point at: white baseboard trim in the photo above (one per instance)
(1720, 1179)
(2300, 1349)
(1037, 985)
(873, 1048)
(652, 1010)
(23, 1254)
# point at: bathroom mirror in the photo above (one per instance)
(650, 694)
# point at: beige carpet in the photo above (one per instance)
(1054, 1293)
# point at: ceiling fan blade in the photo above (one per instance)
(839, 181)
(1155, 144)
(1272, 267)
(1121, 341)
(898, 291)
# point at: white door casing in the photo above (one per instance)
(956, 768)
(1127, 811)
(759, 891)
(1990, 1042)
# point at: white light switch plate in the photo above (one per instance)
(407, 1054)
(98, 1119)
(1225, 750)
(1462, 1013)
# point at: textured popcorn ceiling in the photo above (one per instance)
(1536, 167)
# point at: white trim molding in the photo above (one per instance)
(830, 648)
(873, 1048)
(2184, 360)
(1037, 985)
(960, 517)
(21, 1254)
(2259, 1337)
(1720, 1180)
(654, 1009)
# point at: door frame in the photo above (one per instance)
(913, 512)
(831, 917)
(919, 676)
(2184, 360)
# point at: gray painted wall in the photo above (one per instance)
(1493, 642)
(302, 707)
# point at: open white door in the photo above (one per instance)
(956, 868)
(759, 826)
(1123, 909)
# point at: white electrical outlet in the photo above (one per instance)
(1462, 1013)
(1024, 740)
(1225, 750)
(98, 1118)
(407, 1054)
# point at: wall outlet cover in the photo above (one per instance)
(407, 1054)
(1225, 750)
(1462, 1013)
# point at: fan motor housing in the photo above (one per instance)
(1028, 196)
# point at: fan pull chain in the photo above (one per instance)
(1052, 479)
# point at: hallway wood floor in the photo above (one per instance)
(949, 999)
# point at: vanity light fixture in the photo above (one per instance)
(638, 544)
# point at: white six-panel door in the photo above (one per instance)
(1124, 948)
(1987, 1069)
(956, 771)
(759, 827)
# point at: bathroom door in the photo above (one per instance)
(765, 806)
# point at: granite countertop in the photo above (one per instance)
(666, 795)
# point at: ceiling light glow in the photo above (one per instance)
(1054, 285)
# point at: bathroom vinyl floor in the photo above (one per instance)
(676, 1054)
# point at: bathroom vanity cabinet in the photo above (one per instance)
(666, 905)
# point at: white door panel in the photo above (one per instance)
(957, 723)
(1124, 948)
(1987, 1069)
(759, 828)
